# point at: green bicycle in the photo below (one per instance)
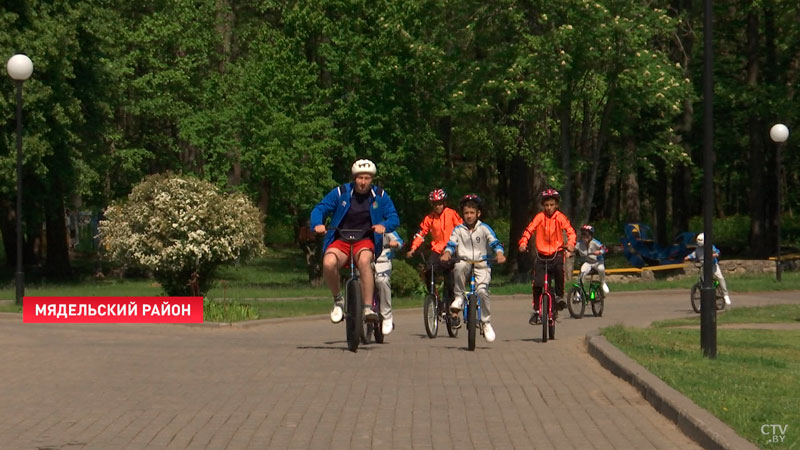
(579, 296)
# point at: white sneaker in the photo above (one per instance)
(387, 327)
(337, 312)
(606, 290)
(457, 305)
(488, 332)
(369, 314)
(727, 299)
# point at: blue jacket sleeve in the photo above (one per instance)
(494, 243)
(324, 208)
(390, 218)
(398, 238)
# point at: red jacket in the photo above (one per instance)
(548, 230)
(440, 227)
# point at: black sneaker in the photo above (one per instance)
(535, 320)
(455, 322)
(560, 303)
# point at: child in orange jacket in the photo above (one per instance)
(549, 227)
(440, 223)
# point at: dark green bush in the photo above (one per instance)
(405, 279)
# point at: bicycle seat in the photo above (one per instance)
(592, 272)
(351, 236)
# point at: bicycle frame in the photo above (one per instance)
(547, 317)
(473, 291)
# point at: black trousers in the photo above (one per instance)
(555, 271)
(444, 268)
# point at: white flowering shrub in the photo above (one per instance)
(181, 229)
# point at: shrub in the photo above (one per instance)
(181, 229)
(405, 280)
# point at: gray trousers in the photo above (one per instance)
(599, 267)
(483, 275)
(383, 288)
(718, 276)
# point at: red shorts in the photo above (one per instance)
(344, 247)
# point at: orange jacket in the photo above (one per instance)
(440, 227)
(548, 231)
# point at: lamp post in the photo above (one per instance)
(778, 133)
(708, 311)
(19, 68)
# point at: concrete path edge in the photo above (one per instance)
(697, 423)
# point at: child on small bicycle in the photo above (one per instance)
(383, 275)
(697, 255)
(592, 251)
(476, 241)
(549, 227)
(440, 223)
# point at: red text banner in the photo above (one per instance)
(112, 310)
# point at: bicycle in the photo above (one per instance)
(578, 297)
(547, 315)
(472, 312)
(436, 309)
(695, 295)
(353, 305)
(375, 328)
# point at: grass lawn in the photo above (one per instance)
(755, 379)
(764, 314)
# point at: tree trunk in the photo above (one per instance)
(8, 226)
(760, 242)
(57, 261)
(565, 120)
(598, 144)
(520, 199)
(264, 196)
(660, 200)
(631, 207)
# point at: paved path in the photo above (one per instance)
(294, 385)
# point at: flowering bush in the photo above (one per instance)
(181, 229)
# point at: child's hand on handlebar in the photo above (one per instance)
(523, 248)
(320, 229)
(501, 258)
(445, 256)
(410, 254)
(380, 229)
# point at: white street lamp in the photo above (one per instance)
(19, 68)
(779, 134)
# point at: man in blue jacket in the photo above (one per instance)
(354, 206)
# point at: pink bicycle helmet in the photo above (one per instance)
(550, 193)
(437, 195)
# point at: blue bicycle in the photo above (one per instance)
(472, 312)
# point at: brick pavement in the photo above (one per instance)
(294, 385)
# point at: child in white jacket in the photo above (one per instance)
(476, 241)
(592, 251)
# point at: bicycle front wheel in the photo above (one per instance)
(719, 298)
(472, 319)
(599, 302)
(451, 324)
(545, 315)
(353, 320)
(576, 303)
(379, 331)
(695, 297)
(430, 315)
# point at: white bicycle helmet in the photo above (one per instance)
(364, 166)
(701, 239)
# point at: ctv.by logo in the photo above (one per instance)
(776, 432)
